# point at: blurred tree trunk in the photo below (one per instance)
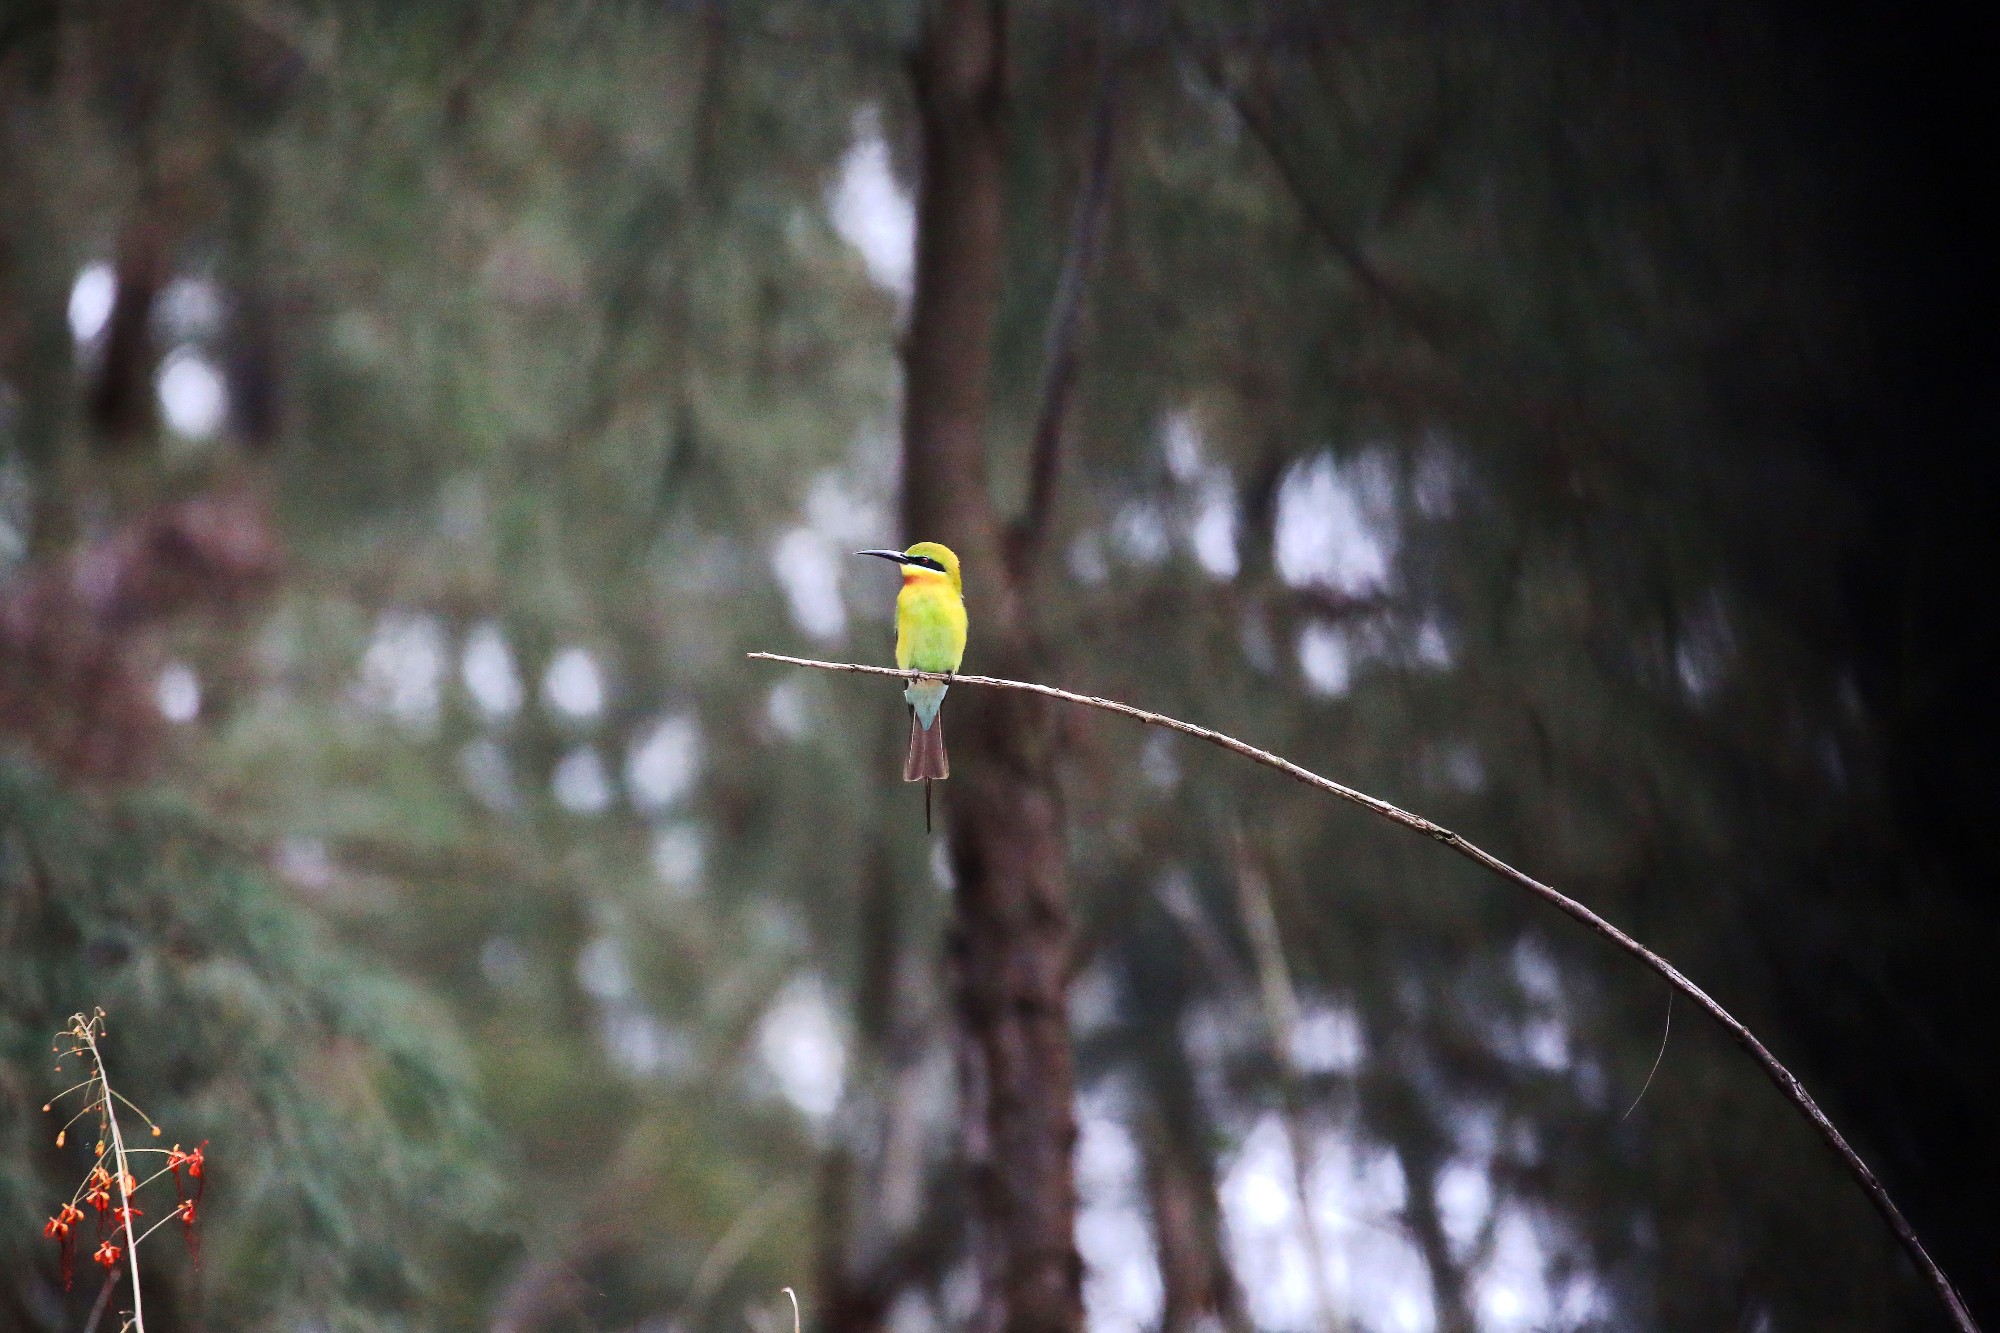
(1198, 1291)
(122, 403)
(1422, 1154)
(1012, 937)
(136, 53)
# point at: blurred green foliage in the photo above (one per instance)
(355, 1181)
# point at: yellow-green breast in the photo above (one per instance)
(930, 623)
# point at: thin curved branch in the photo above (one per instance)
(1787, 1083)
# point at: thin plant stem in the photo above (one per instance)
(1787, 1083)
(89, 1034)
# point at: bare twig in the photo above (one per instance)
(1787, 1083)
(1665, 1032)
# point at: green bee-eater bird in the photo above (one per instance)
(930, 636)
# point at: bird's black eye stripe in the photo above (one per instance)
(926, 562)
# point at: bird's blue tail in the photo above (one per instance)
(926, 696)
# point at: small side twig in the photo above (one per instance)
(1665, 1032)
(1787, 1083)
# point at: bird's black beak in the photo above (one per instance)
(897, 556)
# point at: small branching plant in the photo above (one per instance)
(111, 1189)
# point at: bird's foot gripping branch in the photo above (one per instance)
(1786, 1082)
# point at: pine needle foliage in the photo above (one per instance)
(352, 1180)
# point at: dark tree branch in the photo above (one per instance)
(1256, 115)
(23, 24)
(1060, 352)
(542, 1286)
(1787, 1083)
(864, 1299)
(103, 1301)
